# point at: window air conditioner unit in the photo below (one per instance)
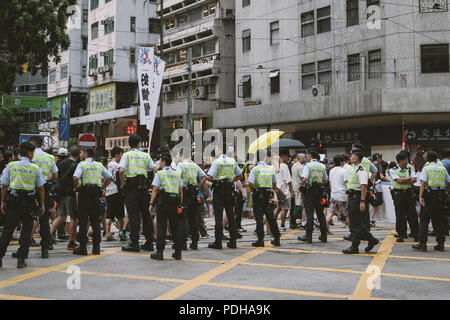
(320, 90)
(102, 54)
(200, 93)
(167, 89)
(103, 22)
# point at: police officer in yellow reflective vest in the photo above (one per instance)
(314, 179)
(193, 178)
(434, 188)
(167, 194)
(90, 173)
(134, 166)
(402, 180)
(262, 180)
(357, 181)
(223, 172)
(22, 178)
(49, 170)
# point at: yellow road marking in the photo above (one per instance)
(415, 277)
(170, 258)
(301, 268)
(275, 290)
(43, 271)
(312, 251)
(130, 276)
(11, 297)
(363, 291)
(209, 275)
(428, 244)
(418, 258)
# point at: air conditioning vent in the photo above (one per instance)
(200, 93)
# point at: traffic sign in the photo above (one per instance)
(87, 140)
(64, 129)
(64, 109)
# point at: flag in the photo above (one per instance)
(404, 138)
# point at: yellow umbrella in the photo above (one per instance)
(264, 141)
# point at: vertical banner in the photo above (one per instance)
(150, 76)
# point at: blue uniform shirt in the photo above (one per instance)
(394, 176)
(79, 170)
(212, 172)
(424, 177)
(40, 152)
(251, 177)
(124, 162)
(157, 182)
(24, 161)
(200, 172)
(446, 163)
(305, 172)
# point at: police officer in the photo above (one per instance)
(357, 181)
(90, 173)
(192, 177)
(47, 164)
(223, 172)
(168, 193)
(402, 180)
(262, 180)
(434, 188)
(134, 166)
(22, 178)
(314, 179)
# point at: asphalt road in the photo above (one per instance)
(292, 272)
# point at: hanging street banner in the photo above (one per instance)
(150, 76)
(102, 99)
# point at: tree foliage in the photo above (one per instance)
(31, 31)
(10, 122)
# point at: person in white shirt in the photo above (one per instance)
(284, 183)
(338, 198)
(298, 211)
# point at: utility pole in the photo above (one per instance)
(69, 108)
(189, 110)
(161, 96)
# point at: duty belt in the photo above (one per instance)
(354, 193)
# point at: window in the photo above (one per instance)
(352, 13)
(183, 19)
(85, 15)
(209, 47)
(245, 87)
(324, 20)
(324, 72)
(94, 4)
(307, 24)
(93, 62)
(246, 40)
(275, 32)
(106, 1)
(52, 76)
(154, 26)
(84, 41)
(170, 24)
(132, 24)
(182, 55)
(109, 57)
(375, 64)
(353, 67)
(427, 6)
(196, 14)
(94, 31)
(245, 3)
(196, 51)
(133, 56)
(274, 77)
(109, 26)
(209, 9)
(308, 75)
(64, 72)
(434, 58)
(170, 58)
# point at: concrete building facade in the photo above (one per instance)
(325, 70)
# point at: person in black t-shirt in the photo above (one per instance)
(67, 204)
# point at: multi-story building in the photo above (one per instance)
(111, 34)
(207, 27)
(326, 70)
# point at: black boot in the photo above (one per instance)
(351, 250)
(323, 238)
(177, 255)
(44, 253)
(96, 248)
(183, 246)
(21, 263)
(400, 239)
(306, 238)
(421, 246)
(81, 250)
(232, 244)
(348, 238)
(372, 243)
(194, 245)
(439, 247)
(1, 263)
(158, 255)
(215, 245)
(259, 243)
(14, 255)
(147, 246)
(132, 247)
(276, 242)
